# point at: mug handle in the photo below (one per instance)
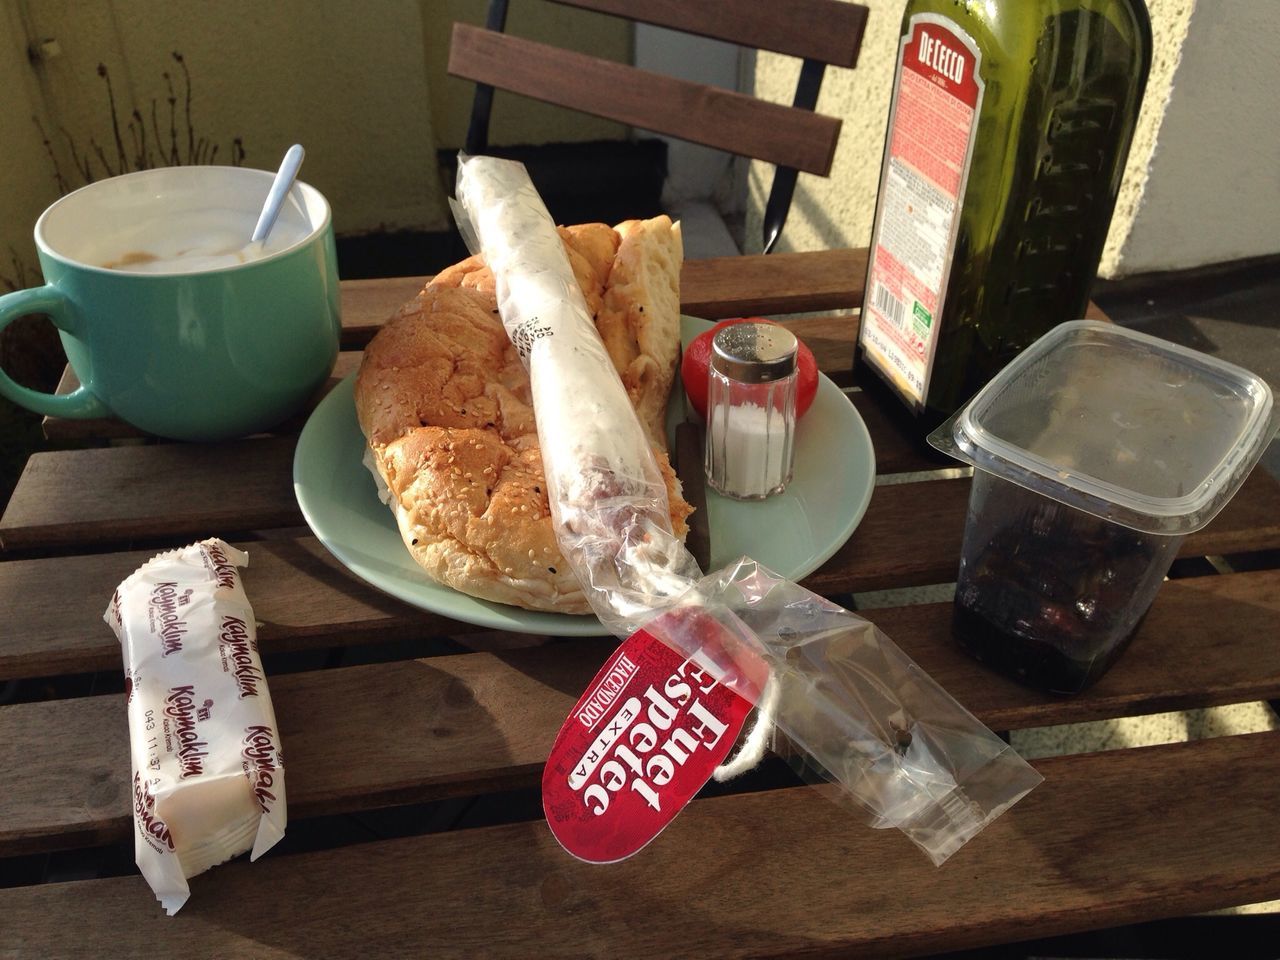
(82, 403)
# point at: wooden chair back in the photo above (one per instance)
(795, 138)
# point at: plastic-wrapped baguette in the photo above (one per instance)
(608, 499)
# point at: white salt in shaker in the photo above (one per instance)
(751, 410)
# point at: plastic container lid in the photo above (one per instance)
(1119, 424)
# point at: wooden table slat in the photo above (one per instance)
(89, 496)
(109, 428)
(910, 535)
(302, 595)
(466, 724)
(713, 288)
(115, 494)
(830, 339)
(772, 874)
(368, 304)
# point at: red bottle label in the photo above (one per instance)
(932, 126)
(643, 739)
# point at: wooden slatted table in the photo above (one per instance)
(436, 711)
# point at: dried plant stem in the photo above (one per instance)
(136, 148)
(19, 279)
(122, 163)
(186, 79)
(102, 158)
(138, 131)
(155, 123)
(174, 159)
(81, 161)
(53, 157)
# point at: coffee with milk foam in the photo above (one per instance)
(198, 241)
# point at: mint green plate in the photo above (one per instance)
(792, 534)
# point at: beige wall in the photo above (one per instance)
(28, 185)
(1200, 186)
(1169, 23)
(835, 211)
(345, 80)
(1213, 191)
(361, 85)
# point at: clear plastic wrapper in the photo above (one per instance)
(851, 707)
(847, 699)
(207, 770)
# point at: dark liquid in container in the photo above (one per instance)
(1028, 660)
(1047, 594)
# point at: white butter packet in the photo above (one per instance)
(208, 773)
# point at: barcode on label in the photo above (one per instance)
(889, 305)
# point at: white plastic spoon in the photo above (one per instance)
(280, 188)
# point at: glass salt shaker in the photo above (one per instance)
(751, 410)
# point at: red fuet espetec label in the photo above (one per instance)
(642, 740)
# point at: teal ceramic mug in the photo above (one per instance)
(170, 320)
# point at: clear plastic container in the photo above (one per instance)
(1096, 452)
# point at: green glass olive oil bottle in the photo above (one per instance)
(1008, 132)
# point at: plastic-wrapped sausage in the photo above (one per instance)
(847, 700)
(608, 499)
(207, 770)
